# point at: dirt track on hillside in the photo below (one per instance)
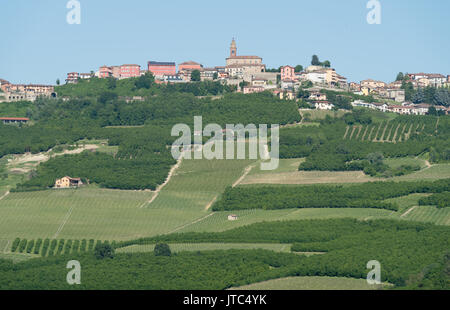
(160, 187)
(42, 157)
(4, 195)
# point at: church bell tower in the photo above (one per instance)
(233, 49)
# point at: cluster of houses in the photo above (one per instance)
(394, 90)
(320, 102)
(247, 73)
(286, 83)
(250, 75)
(21, 92)
(407, 108)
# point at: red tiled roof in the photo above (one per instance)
(189, 63)
(14, 119)
(73, 179)
(371, 80)
(399, 107)
(244, 57)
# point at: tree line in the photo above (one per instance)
(366, 195)
(404, 249)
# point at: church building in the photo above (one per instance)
(243, 67)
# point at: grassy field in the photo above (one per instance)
(219, 220)
(103, 146)
(397, 162)
(8, 179)
(429, 214)
(311, 283)
(411, 211)
(435, 172)
(308, 177)
(181, 247)
(406, 202)
(287, 173)
(314, 115)
(5, 245)
(17, 257)
(285, 165)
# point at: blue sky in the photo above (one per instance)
(39, 46)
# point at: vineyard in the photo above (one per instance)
(305, 224)
(398, 130)
(311, 283)
(430, 214)
(51, 247)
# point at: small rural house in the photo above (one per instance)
(68, 182)
(15, 120)
(323, 105)
(232, 217)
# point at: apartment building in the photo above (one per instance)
(159, 69)
(129, 71)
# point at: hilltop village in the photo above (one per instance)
(410, 93)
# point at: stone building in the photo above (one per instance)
(68, 182)
(243, 67)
